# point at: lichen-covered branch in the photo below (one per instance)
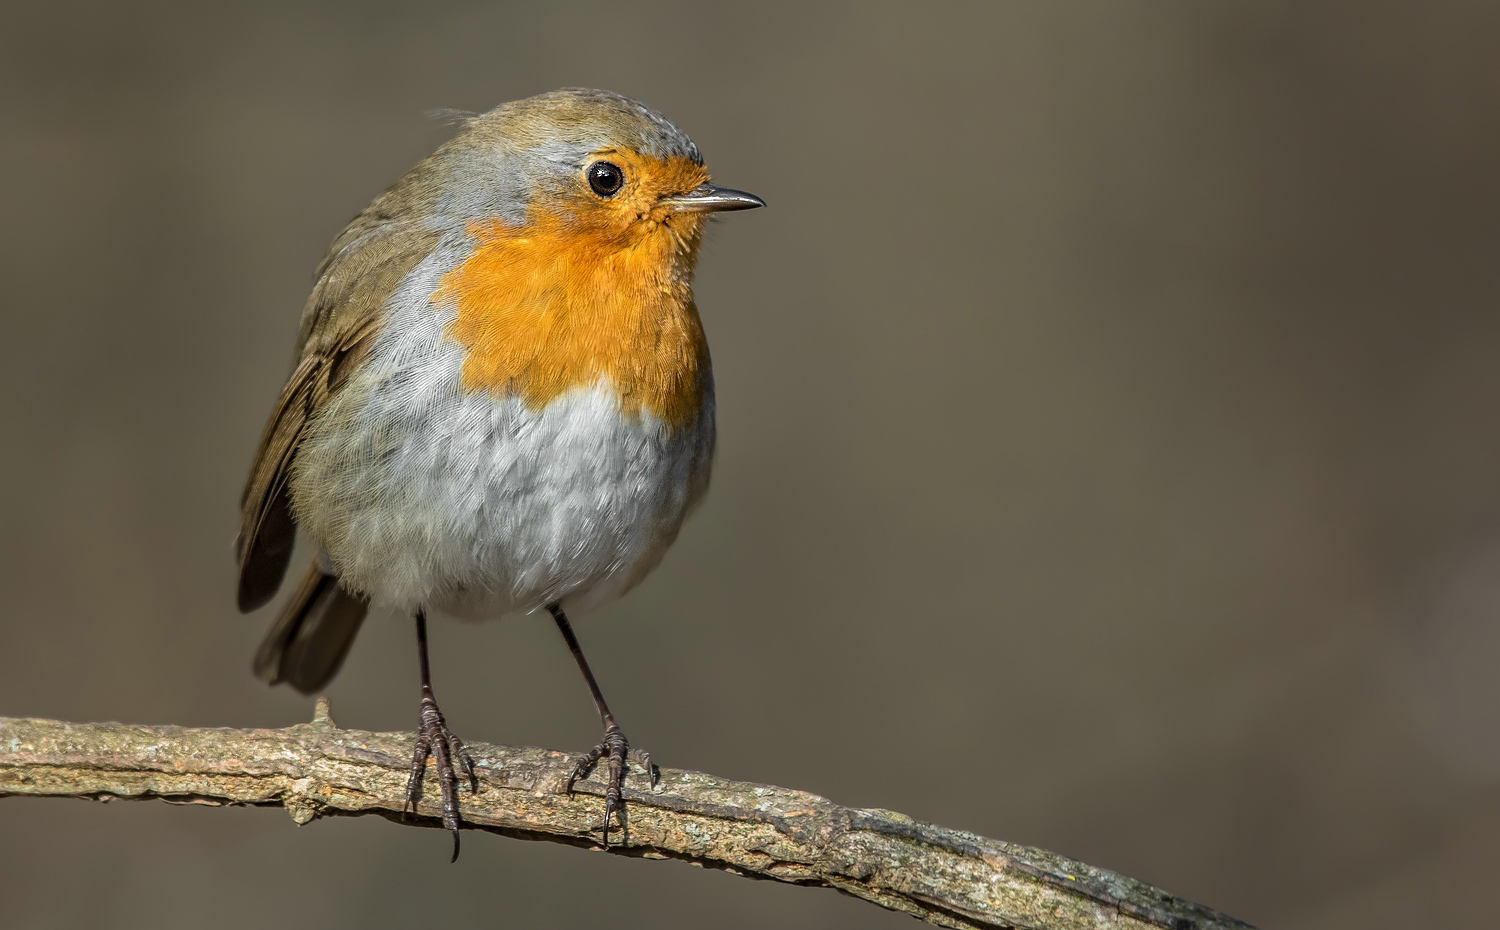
(947, 877)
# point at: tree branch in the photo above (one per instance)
(947, 877)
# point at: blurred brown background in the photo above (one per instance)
(1110, 443)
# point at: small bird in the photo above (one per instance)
(502, 400)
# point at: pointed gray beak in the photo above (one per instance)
(706, 198)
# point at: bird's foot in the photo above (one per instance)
(616, 749)
(446, 749)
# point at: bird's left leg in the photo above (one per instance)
(614, 746)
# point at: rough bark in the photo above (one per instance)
(947, 877)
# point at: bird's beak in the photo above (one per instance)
(706, 198)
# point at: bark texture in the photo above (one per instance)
(947, 877)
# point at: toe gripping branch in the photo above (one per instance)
(616, 749)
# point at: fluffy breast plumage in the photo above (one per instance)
(424, 489)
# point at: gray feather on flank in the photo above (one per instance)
(365, 266)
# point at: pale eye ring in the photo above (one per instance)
(605, 178)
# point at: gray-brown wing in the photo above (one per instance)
(338, 327)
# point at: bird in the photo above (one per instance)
(501, 402)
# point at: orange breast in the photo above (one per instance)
(547, 308)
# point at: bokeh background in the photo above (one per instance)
(1110, 443)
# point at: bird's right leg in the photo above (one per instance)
(436, 740)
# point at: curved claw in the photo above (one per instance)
(609, 808)
(465, 762)
(643, 758)
(584, 765)
(617, 750)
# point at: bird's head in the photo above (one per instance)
(585, 165)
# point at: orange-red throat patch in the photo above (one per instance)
(556, 304)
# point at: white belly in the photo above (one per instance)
(423, 495)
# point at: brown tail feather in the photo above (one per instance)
(308, 642)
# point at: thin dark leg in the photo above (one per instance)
(436, 740)
(614, 746)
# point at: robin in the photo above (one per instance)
(502, 400)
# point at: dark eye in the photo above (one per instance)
(605, 178)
